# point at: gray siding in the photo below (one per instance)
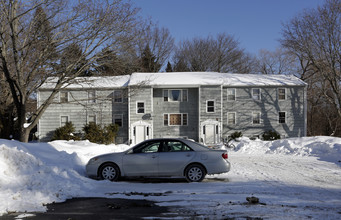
(269, 106)
(78, 109)
(210, 93)
(189, 107)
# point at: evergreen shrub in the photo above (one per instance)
(271, 135)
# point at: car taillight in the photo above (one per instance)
(225, 155)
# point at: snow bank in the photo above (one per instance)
(32, 175)
(325, 148)
(35, 174)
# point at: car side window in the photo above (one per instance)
(148, 148)
(174, 146)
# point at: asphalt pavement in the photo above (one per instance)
(96, 208)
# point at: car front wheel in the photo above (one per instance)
(195, 173)
(110, 172)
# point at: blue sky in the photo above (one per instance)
(256, 24)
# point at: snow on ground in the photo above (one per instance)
(297, 178)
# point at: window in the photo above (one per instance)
(255, 117)
(256, 94)
(165, 119)
(175, 119)
(118, 96)
(210, 106)
(92, 96)
(184, 95)
(281, 94)
(118, 120)
(140, 107)
(281, 117)
(175, 95)
(231, 94)
(63, 96)
(173, 146)
(231, 118)
(92, 118)
(63, 120)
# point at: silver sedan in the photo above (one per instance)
(165, 157)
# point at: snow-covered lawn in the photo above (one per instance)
(297, 178)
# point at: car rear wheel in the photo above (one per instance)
(109, 171)
(195, 173)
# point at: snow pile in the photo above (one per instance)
(32, 175)
(325, 148)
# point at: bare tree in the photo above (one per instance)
(220, 54)
(315, 38)
(279, 61)
(158, 40)
(35, 33)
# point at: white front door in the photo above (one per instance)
(210, 132)
(140, 131)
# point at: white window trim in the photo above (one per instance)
(260, 118)
(260, 94)
(235, 95)
(285, 94)
(144, 107)
(235, 118)
(169, 95)
(168, 115)
(121, 119)
(68, 96)
(93, 99)
(286, 117)
(89, 120)
(60, 119)
(214, 106)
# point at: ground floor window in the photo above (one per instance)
(63, 120)
(256, 117)
(92, 118)
(231, 118)
(118, 120)
(281, 117)
(178, 119)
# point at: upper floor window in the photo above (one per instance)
(140, 107)
(256, 118)
(231, 118)
(256, 94)
(231, 94)
(281, 117)
(63, 96)
(118, 96)
(92, 96)
(210, 106)
(175, 95)
(281, 94)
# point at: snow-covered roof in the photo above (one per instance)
(178, 79)
(191, 79)
(90, 82)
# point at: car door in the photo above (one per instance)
(174, 157)
(142, 161)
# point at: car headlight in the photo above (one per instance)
(93, 160)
